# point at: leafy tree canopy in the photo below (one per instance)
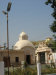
(53, 25)
(53, 5)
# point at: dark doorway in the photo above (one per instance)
(42, 57)
(6, 61)
(17, 59)
(28, 59)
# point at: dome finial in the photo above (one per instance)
(23, 36)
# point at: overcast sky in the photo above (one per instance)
(31, 16)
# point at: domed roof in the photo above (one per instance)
(23, 36)
(22, 43)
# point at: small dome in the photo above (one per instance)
(22, 43)
(23, 36)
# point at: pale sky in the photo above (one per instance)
(31, 16)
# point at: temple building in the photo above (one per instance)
(26, 47)
(23, 50)
(44, 54)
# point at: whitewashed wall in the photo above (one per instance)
(54, 57)
(1, 68)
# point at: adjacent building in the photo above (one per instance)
(44, 54)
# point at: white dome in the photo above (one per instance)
(22, 43)
(23, 36)
(23, 33)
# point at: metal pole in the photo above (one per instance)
(7, 33)
(6, 13)
(8, 43)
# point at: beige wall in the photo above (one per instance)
(21, 54)
(30, 51)
(13, 55)
(16, 54)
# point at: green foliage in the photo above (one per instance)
(6, 72)
(52, 2)
(31, 71)
(53, 27)
(54, 43)
(49, 1)
(53, 5)
(25, 64)
(54, 46)
(54, 14)
(19, 71)
(49, 69)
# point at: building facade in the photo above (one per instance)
(23, 50)
(44, 54)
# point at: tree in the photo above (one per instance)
(53, 25)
